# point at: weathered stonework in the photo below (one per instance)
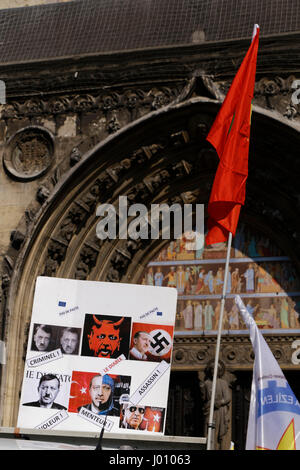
(135, 125)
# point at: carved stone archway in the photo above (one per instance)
(162, 157)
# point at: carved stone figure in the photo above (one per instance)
(75, 156)
(222, 405)
(16, 239)
(42, 194)
(56, 253)
(112, 275)
(113, 125)
(88, 259)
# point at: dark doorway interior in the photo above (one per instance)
(184, 416)
(240, 408)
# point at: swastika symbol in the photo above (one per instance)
(161, 342)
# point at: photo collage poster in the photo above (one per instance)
(98, 355)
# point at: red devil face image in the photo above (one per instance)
(104, 339)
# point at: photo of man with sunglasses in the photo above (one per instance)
(133, 416)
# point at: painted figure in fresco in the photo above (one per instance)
(176, 248)
(284, 313)
(260, 278)
(150, 280)
(171, 277)
(199, 252)
(200, 281)
(208, 315)
(171, 254)
(217, 315)
(225, 325)
(219, 279)
(189, 280)
(209, 281)
(198, 313)
(158, 277)
(180, 280)
(249, 276)
(228, 289)
(235, 281)
(188, 316)
(294, 316)
(234, 317)
(271, 316)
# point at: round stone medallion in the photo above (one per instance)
(28, 153)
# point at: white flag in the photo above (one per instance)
(274, 415)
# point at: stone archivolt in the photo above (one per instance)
(159, 157)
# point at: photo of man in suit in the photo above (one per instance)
(48, 389)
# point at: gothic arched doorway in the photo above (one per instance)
(162, 157)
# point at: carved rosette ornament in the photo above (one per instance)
(28, 154)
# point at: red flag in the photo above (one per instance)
(230, 135)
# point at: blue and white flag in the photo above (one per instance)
(274, 415)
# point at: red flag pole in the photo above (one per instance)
(211, 424)
(210, 445)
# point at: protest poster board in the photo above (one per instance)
(83, 370)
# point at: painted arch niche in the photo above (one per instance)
(259, 272)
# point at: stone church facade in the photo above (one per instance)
(82, 126)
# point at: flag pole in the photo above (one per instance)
(214, 139)
(255, 28)
(211, 424)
